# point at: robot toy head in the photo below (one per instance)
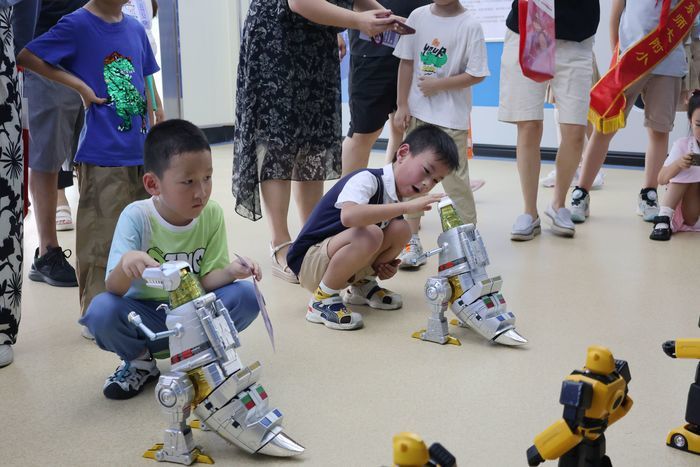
(599, 360)
(409, 449)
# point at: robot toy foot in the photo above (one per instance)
(156, 453)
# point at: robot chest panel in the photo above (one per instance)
(606, 396)
(192, 336)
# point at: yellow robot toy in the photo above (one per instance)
(593, 398)
(687, 437)
(411, 451)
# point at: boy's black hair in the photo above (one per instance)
(168, 139)
(432, 138)
(693, 104)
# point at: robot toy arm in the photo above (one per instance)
(135, 319)
(682, 348)
(563, 435)
(620, 411)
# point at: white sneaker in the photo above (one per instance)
(525, 228)
(561, 221)
(580, 205)
(85, 332)
(551, 179)
(597, 181)
(6, 355)
(412, 255)
(648, 204)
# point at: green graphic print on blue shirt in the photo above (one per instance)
(202, 243)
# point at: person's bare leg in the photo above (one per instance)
(413, 224)
(307, 195)
(568, 158)
(275, 198)
(657, 150)
(675, 192)
(396, 235)
(356, 150)
(529, 160)
(61, 199)
(396, 135)
(349, 252)
(42, 186)
(593, 157)
(691, 204)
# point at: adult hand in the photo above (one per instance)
(429, 86)
(373, 22)
(342, 48)
(422, 203)
(402, 118)
(134, 262)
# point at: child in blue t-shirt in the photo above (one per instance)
(105, 56)
(178, 223)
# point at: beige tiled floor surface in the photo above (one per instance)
(345, 394)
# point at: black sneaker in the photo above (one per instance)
(130, 378)
(53, 268)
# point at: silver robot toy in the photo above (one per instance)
(463, 285)
(207, 376)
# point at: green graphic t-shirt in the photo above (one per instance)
(202, 243)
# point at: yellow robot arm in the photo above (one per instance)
(621, 411)
(556, 440)
(562, 436)
(687, 348)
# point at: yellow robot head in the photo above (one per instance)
(600, 360)
(410, 450)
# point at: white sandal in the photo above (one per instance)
(64, 220)
(283, 272)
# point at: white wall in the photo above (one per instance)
(208, 44)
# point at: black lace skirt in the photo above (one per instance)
(288, 117)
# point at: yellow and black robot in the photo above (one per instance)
(410, 451)
(687, 437)
(593, 398)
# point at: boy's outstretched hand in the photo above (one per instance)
(243, 267)
(134, 262)
(423, 203)
(387, 270)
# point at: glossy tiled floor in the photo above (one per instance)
(345, 394)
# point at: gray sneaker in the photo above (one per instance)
(412, 255)
(647, 204)
(525, 228)
(561, 221)
(580, 205)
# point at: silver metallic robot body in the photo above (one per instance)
(207, 375)
(464, 286)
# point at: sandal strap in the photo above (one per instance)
(275, 249)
